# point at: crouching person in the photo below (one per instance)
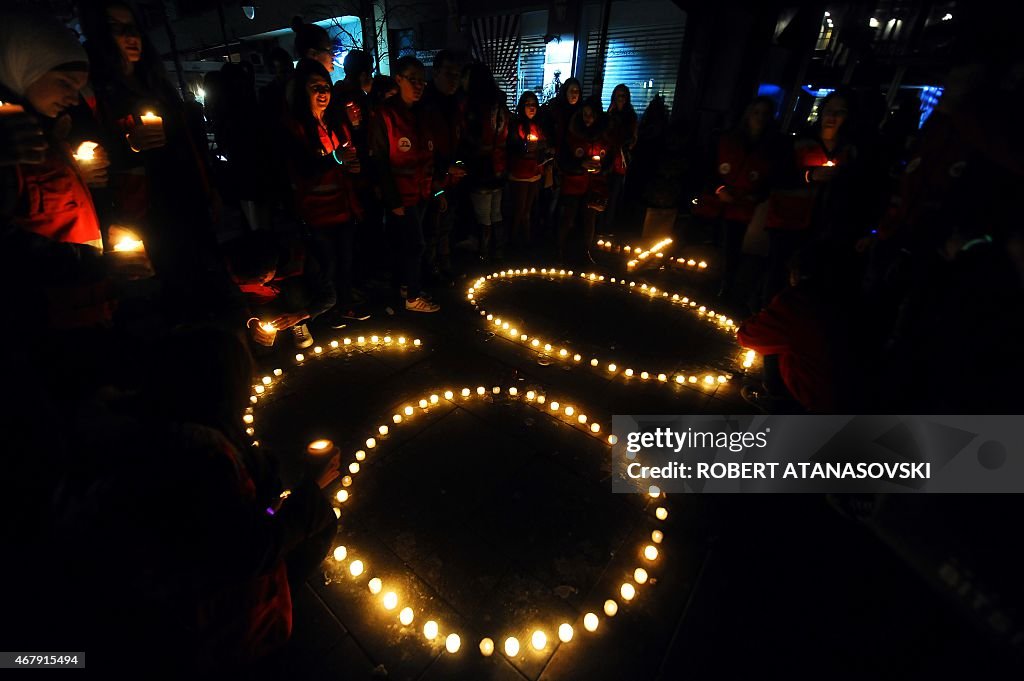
(284, 284)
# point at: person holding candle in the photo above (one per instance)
(528, 154)
(483, 147)
(175, 526)
(323, 161)
(555, 116)
(584, 160)
(52, 244)
(159, 181)
(403, 152)
(284, 283)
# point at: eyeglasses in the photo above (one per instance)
(414, 81)
(320, 89)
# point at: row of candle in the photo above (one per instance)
(390, 599)
(358, 341)
(515, 334)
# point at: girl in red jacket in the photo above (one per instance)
(527, 155)
(584, 160)
(322, 159)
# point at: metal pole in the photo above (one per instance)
(602, 48)
(172, 40)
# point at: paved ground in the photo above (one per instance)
(488, 515)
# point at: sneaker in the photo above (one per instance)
(301, 336)
(421, 304)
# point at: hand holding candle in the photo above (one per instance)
(127, 254)
(264, 333)
(92, 163)
(148, 133)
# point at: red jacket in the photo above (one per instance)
(746, 172)
(583, 145)
(793, 207)
(403, 148)
(323, 190)
(526, 146)
(796, 328)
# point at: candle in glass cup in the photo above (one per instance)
(86, 152)
(126, 241)
(150, 118)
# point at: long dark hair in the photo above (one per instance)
(106, 62)
(522, 122)
(298, 99)
(561, 97)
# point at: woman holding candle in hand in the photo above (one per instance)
(322, 162)
(52, 245)
(527, 153)
(158, 177)
(584, 159)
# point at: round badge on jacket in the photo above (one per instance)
(579, 152)
(404, 144)
(724, 169)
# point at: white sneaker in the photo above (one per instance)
(421, 304)
(301, 336)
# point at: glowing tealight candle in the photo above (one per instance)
(150, 118)
(375, 585)
(417, 342)
(337, 513)
(565, 632)
(513, 391)
(627, 591)
(406, 616)
(250, 431)
(353, 468)
(611, 607)
(430, 630)
(657, 536)
(661, 513)
(346, 481)
(486, 647)
(644, 375)
(569, 411)
(650, 552)
(340, 553)
(356, 568)
(629, 372)
(530, 394)
(452, 643)
(347, 341)
(267, 380)
(383, 430)
(319, 447)
(278, 372)
(465, 392)
(390, 600)
(374, 339)
(593, 362)
(535, 342)
(539, 640)
(342, 496)
(540, 399)
(640, 576)
(360, 455)
(576, 358)
(259, 389)
(547, 347)
(423, 404)
(611, 368)
(401, 340)
(481, 390)
(448, 394)
(613, 439)
(370, 443)
(662, 377)
(590, 621)
(300, 357)
(496, 390)
(317, 350)
(361, 340)
(554, 406)
(595, 428)
(511, 646)
(409, 411)
(387, 339)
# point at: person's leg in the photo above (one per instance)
(345, 233)
(733, 232)
(529, 200)
(608, 219)
(498, 224)
(412, 244)
(589, 227)
(431, 235)
(325, 248)
(518, 192)
(482, 213)
(567, 217)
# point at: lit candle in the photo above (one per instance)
(590, 621)
(356, 568)
(452, 643)
(612, 439)
(383, 430)
(375, 585)
(353, 468)
(390, 600)
(319, 447)
(340, 553)
(565, 632)
(627, 591)
(595, 428)
(126, 241)
(406, 616)
(539, 640)
(430, 630)
(511, 646)
(150, 118)
(486, 647)
(371, 443)
(342, 496)
(86, 152)
(640, 576)
(661, 513)
(657, 536)
(360, 455)
(650, 552)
